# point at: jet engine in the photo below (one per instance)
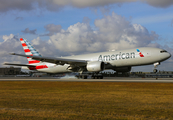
(123, 69)
(95, 66)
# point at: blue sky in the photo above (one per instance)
(57, 18)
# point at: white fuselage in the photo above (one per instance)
(117, 59)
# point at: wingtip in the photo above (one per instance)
(12, 53)
(5, 63)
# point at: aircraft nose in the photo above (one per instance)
(165, 55)
(169, 55)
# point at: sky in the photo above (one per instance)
(71, 27)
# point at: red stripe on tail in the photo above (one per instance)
(33, 61)
(27, 50)
(24, 44)
(21, 39)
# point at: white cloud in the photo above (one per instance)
(36, 41)
(46, 48)
(113, 32)
(74, 39)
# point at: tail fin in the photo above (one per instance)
(29, 50)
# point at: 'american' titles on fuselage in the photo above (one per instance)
(116, 56)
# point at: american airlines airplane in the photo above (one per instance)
(119, 61)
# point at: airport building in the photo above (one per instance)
(160, 74)
(10, 71)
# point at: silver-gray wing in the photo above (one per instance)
(58, 61)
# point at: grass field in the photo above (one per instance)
(85, 100)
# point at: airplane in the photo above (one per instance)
(119, 61)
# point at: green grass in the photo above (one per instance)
(85, 100)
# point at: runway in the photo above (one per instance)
(107, 79)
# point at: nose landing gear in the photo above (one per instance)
(155, 66)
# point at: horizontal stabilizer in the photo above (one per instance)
(19, 64)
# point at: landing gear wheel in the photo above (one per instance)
(97, 77)
(84, 77)
(155, 70)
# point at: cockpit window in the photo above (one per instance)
(163, 51)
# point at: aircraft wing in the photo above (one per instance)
(19, 64)
(58, 61)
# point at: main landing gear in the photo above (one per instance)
(155, 66)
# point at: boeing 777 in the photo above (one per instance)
(119, 61)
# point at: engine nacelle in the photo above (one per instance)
(123, 69)
(95, 66)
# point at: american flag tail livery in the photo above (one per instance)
(29, 50)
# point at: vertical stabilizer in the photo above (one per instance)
(29, 50)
